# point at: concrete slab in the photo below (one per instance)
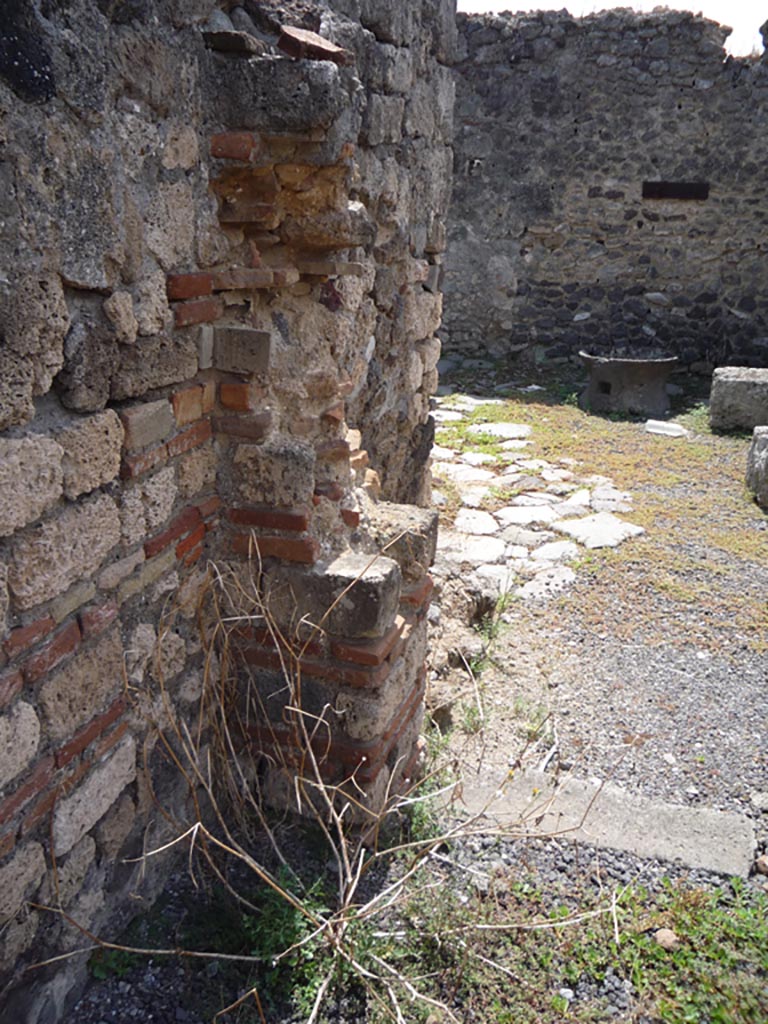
(611, 817)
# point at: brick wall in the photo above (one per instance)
(217, 326)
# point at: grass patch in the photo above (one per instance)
(703, 547)
(507, 953)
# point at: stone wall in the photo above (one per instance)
(559, 123)
(219, 294)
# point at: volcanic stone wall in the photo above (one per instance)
(219, 297)
(609, 189)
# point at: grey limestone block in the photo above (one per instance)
(739, 398)
(757, 466)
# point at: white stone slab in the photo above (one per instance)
(475, 522)
(475, 496)
(613, 818)
(463, 549)
(537, 498)
(556, 551)
(520, 515)
(438, 452)
(601, 530)
(447, 416)
(461, 473)
(665, 429)
(504, 431)
(478, 459)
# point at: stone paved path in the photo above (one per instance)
(518, 548)
(518, 529)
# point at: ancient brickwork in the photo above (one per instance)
(577, 141)
(221, 285)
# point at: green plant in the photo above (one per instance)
(281, 935)
(112, 963)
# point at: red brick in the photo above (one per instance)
(26, 636)
(11, 683)
(243, 277)
(359, 676)
(209, 506)
(196, 537)
(187, 405)
(41, 809)
(369, 652)
(350, 517)
(62, 644)
(265, 637)
(335, 414)
(94, 621)
(234, 145)
(109, 741)
(251, 428)
(293, 520)
(290, 549)
(198, 311)
(89, 733)
(184, 523)
(417, 594)
(236, 396)
(330, 490)
(192, 556)
(190, 438)
(189, 286)
(137, 465)
(37, 781)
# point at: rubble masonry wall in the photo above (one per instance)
(218, 305)
(559, 122)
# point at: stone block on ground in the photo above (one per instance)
(739, 398)
(757, 465)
